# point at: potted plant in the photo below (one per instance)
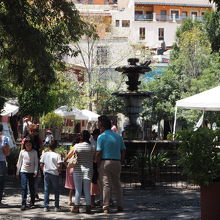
(200, 159)
(147, 165)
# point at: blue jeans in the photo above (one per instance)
(79, 182)
(3, 171)
(51, 180)
(27, 180)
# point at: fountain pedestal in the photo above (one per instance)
(133, 98)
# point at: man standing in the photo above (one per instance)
(110, 152)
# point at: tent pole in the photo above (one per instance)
(174, 125)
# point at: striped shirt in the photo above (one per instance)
(84, 166)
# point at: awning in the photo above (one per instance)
(9, 110)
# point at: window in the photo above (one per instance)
(125, 23)
(175, 13)
(139, 15)
(102, 55)
(163, 15)
(184, 14)
(161, 33)
(202, 13)
(194, 13)
(142, 33)
(91, 2)
(117, 23)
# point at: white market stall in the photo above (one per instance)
(208, 100)
(9, 110)
(92, 116)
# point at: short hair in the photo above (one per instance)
(52, 144)
(27, 140)
(105, 121)
(1, 127)
(95, 131)
(85, 136)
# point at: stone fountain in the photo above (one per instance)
(133, 98)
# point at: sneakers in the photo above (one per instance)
(56, 209)
(88, 209)
(75, 209)
(23, 207)
(120, 209)
(46, 209)
(106, 210)
(31, 205)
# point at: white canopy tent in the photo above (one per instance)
(92, 116)
(69, 112)
(9, 110)
(208, 100)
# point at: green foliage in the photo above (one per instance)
(212, 27)
(150, 161)
(199, 155)
(51, 120)
(34, 37)
(61, 149)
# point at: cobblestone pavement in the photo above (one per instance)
(152, 204)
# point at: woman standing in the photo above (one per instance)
(83, 171)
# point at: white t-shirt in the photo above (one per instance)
(27, 162)
(50, 160)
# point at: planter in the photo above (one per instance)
(210, 196)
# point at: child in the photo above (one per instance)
(49, 137)
(51, 164)
(27, 165)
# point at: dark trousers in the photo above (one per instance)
(27, 180)
(51, 180)
(3, 170)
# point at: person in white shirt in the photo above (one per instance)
(4, 152)
(27, 166)
(51, 163)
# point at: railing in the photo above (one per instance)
(168, 18)
(146, 17)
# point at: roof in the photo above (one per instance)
(190, 3)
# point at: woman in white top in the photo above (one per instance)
(83, 170)
(27, 166)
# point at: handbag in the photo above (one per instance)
(72, 161)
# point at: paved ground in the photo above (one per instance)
(152, 204)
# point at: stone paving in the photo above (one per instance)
(159, 203)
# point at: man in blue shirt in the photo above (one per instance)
(110, 152)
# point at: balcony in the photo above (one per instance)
(165, 18)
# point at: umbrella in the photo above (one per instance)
(67, 112)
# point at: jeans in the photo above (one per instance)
(27, 180)
(79, 182)
(3, 171)
(51, 180)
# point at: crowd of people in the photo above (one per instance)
(96, 172)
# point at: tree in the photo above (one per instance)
(34, 36)
(191, 68)
(211, 25)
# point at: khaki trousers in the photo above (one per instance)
(110, 171)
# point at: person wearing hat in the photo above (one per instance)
(26, 124)
(49, 137)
